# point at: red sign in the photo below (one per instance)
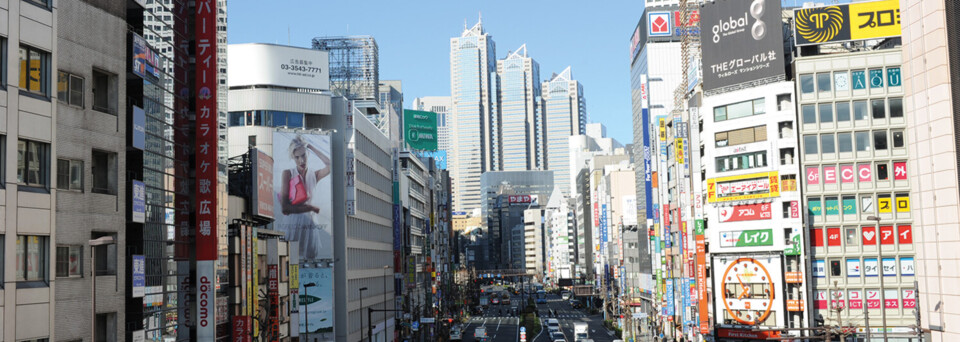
(856, 299)
(869, 236)
(905, 234)
(749, 212)
(523, 199)
(909, 299)
(596, 213)
(205, 147)
(748, 334)
(887, 235)
(659, 24)
(694, 18)
(900, 170)
(873, 299)
(891, 303)
(241, 329)
(273, 291)
(837, 301)
(821, 300)
(264, 181)
(865, 173)
(817, 237)
(813, 175)
(833, 237)
(794, 209)
(829, 174)
(846, 173)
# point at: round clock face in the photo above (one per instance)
(748, 291)
(841, 81)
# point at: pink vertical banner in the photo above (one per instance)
(813, 175)
(846, 174)
(865, 173)
(829, 174)
(900, 171)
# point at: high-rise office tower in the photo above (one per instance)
(474, 119)
(521, 131)
(442, 106)
(565, 115)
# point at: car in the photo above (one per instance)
(553, 325)
(495, 301)
(456, 334)
(557, 336)
(565, 295)
(575, 303)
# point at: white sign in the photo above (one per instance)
(743, 187)
(139, 336)
(206, 300)
(267, 64)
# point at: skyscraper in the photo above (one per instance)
(566, 115)
(442, 106)
(474, 119)
(520, 108)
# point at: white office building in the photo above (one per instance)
(520, 107)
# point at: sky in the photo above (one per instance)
(592, 37)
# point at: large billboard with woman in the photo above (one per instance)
(302, 192)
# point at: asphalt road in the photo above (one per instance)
(567, 316)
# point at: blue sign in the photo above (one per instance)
(439, 158)
(669, 300)
(415, 325)
(139, 278)
(603, 228)
(139, 202)
(685, 297)
(397, 228)
(139, 128)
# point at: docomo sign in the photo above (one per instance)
(762, 211)
(205, 297)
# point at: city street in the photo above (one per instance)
(567, 316)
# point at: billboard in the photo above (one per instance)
(738, 188)
(742, 42)
(267, 64)
(439, 158)
(302, 192)
(316, 302)
(420, 129)
(523, 199)
(146, 62)
(747, 212)
(840, 23)
(139, 278)
(262, 174)
(139, 135)
(752, 286)
(139, 202)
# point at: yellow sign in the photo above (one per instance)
(857, 21)
(663, 129)
(679, 144)
(738, 188)
(903, 203)
(294, 276)
(884, 205)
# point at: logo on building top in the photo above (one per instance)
(659, 24)
(819, 25)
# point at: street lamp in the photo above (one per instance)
(883, 299)
(361, 312)
(94, 243)
(306, 313)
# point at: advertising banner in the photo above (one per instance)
(146, 62)
(263, 64)
(439, 158)
(205, 158)
(420, 129)
(263, 179)
(530, 200)
(738, 188)
(139, 128)
(669, 300)
(702, 309)
(742, 42)
(139, 198)
(840, 23)
(747, 238)
(316, 301)
(241, 329)
(273, 295)
(749, 212)
(302, 190)
(647, 157)
(139, 278)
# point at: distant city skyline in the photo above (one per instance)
(600, 59)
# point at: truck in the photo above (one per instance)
(580, 332)
(480, 334)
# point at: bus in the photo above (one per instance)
(541, 296)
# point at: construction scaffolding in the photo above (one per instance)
(354, 66)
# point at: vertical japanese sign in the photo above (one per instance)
(647, 172)
(139, 197)
(241, 329)
(702, 308)
(139, 279)
(273, 294)
(205, 154)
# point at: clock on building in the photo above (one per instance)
(841, 81)
(748, 291)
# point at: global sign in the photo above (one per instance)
(743, 42)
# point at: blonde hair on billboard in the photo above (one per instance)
(296, 143)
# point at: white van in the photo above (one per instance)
(553, 325)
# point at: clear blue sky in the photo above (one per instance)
(414, 37)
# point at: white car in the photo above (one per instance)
(456, 334)
(553, 325)
(565, 295)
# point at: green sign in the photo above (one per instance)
(794, 248)
(814, 206)
(850, 206)
(859, 80)
(420, 129)
(698, 228)
(893, 77)
(832, 206)
(876, 78)
(753, 238)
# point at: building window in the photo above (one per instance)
(41, 3)
(739, 110)
(863, 141)
(104, 172)
(104, 92)
(70, 89)
(896, 107)
(879, 112)
(106, 327)
(742, 161)
(69, 174)
(810, 144)
(880, 140)
(883, 173)
(843, 112)
(823, 82)
(786, 156)
(741, 136)
(33, 163)
(844, 142)
(827, 144)
(897, 138)
(3, 62)
(69, 261)
(809, 114)
(826, 113)
(806, 84)
(105, 256)
(34, 70)
(860, 110)
(31, 258)
(783, 102)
